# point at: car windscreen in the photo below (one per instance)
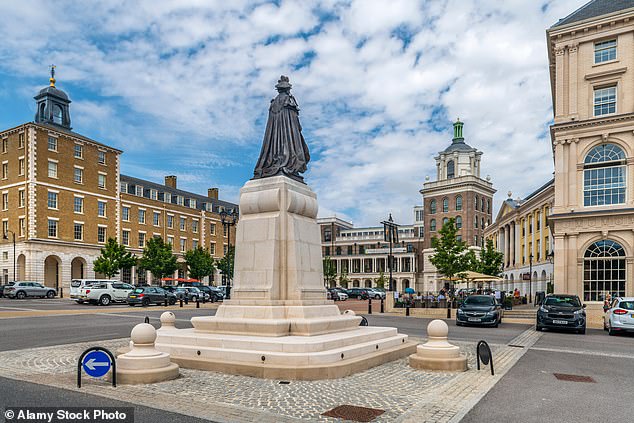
(628, 305)
(481, 301)
(562, 301)
(75, 284)
(138, 290)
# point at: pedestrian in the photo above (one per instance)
(606, 303)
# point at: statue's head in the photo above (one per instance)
(283, 85)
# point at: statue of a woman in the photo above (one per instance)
(284, 151)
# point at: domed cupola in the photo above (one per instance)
(53, 105)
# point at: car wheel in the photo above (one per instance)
(458, 323)
(582, 331)
(50, 294)
(611, 332)
(497, 323)
(20, 295)
(377, 297)
(172, 301)
(131, 304)
(104, 300)
(145, 302)
(538, 328)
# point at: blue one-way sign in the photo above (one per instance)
(96, 363)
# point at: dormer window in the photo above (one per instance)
(138, 191)
(451, 169)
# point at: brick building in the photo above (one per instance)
(63, 196)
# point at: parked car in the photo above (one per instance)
(212, 293)
(561, 311)
(190, 292)
(146, 295)
(2, 288)
(479, 310)
(337, 295)
(25, 289)
(376, 293)
(105, 293)
(620, 316)
(359, 293)
(77, 284)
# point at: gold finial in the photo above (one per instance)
(52, 79)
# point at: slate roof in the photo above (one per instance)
(160, 188)
(52, 91)
(458, 144)
(594, 9)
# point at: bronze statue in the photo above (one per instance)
(284, 151)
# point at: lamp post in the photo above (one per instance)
(228, 220)
(390, 234)
(6, 236)
(530, 278)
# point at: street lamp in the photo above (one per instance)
(6, 236)
(530, 278)
(228, 220)
(390, 234)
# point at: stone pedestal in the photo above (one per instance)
(437, 353)
(143, 363)
(279, 323)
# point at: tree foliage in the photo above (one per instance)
(226, 264)
(491, 260)
(381, 281)
(343, 279)
(449, 258)
(158, 258)
(330, 271)
(113, 258)
(200, 263)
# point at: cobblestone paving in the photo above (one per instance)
(406, 395)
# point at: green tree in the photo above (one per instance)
(491, 260)
(449, 258)
(381, 281)
(343, 279)
(226, 264)
(158, 258)
(330, 271)
(199, 263)
(113, 258)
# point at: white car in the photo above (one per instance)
(105, 293)
(620, 316)
(376, 293)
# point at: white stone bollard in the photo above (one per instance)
(437, 353)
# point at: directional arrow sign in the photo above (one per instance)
(96, 363)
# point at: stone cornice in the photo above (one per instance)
(592, 213)
(602, 74)
(563, 126)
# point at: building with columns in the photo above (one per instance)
(591, 56)
(458, 192)
(63, 196)
(361, 254)
(522, 233)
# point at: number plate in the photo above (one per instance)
(560, 322)
(474, 319)
(132, 296)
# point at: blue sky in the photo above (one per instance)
(183, 88)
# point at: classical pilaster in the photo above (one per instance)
(572, 78)
(559, 81)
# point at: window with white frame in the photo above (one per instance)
(21, 140)
(5, 226)
(101, 157)
(78, 151)
(212, 228)
(101, 181)
(604, 176)
(156, 218)
(170, 241)
(52, 144)
(604, 51)
(78, 175)
(183, 244)
(101, 234)
(101, 209)
(167, 197)
(5, 201)
(605, 100)
(21, 227)
(138, 191)
(125, 238)
(21, 163)
(183, 223)
(195, 226)
(604, 271)
(21, 198)
(52, 169)
(52, 228)
(78, 204)
(78, 231)
(125, 213)
(52, 200)
(170, 221)
(141, 216)
(194, 244)
(212, 248)
(153, 194)
(5, 170)
(141, 239)
(5, 145)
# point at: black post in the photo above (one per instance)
(146, 320)
(382, 305)
(186, 299)
(406, 310)
(389, 263)
(448, 308)
(181, 300)
(197, 303)
(369, 305)
(530, 278)
(165, 303)
(61, 292)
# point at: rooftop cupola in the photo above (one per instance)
(457, 130)
(53, 105)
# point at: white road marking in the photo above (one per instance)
(136, 317)
(18, 308)
(583, 352)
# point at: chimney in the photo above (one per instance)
(212, 193)
(170, 181)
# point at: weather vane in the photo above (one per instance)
(52, 80)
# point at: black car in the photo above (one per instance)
(561, 311)
(479, 310)
(359, 293)
(214, 293)
(146, 295)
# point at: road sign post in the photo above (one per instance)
(96, 362)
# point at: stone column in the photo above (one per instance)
(507, 241)
(559, 81)
(573, 192)
(518, 249)
(512, 244)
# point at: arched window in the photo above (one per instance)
(604, 176)
(445, 220)
(489, 206)
(475, 222)
(57, 114)
(432, 225)
(482, 223)
(458, 202)
(458, 222)
(432, 206)
(42, 108)
(451, 169)
(482, 205)
(476, 202)
(603, 271)
(445, 205)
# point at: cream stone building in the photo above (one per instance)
(522, 233)
(591, 55)
(63, 196)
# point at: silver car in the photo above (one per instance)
(22, 290)
(620, 316)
